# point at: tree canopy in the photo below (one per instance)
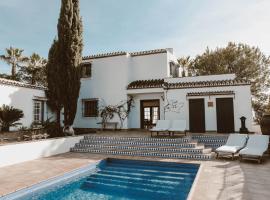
(69, 47)
(33, 71)
(14, 57)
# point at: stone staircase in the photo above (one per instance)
(179, 148)
(211, 141)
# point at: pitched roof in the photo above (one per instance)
(20, 84)
(159, 83)
(210, 93)
(199, 84)
(121, 53)
(141, 84)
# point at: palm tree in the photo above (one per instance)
(34, 70)
(184, 63)
(13, 57)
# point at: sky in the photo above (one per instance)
(187, 26)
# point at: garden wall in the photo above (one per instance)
(25, 151)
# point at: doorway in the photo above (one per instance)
(150, 113)
(225, 115)
(196, 116)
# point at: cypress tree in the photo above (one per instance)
(53, 92)
(69, 50)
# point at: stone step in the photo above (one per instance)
(140, 139)
(210, 136)
(207, 156)
(199, 150)
(139, 143)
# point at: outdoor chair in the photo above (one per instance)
(161, 126)
(234, 144)
(178, 126)
(255, 148)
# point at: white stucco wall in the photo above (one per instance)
(146, 67)
(25, 151)
(22, 98)
(110, 78)
(108, 84)
(242, 105)
(134, 120)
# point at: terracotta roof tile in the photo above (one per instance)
(140, 84)
(199, 84)
(20, 84)
(104, 55)
(159, 83)
(142, 53)
(210, 93)
(120, 53)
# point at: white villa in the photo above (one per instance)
(152, 79)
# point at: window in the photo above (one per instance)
(90, 107)
(38, 111)
(174, 70)
(86, 70)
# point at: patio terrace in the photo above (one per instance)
(218, 179)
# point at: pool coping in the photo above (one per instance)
(195, 182)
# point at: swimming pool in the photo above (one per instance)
(116, 179)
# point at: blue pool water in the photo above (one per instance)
(119, 179)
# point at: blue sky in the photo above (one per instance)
(188, 26)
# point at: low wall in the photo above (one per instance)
(25, 151)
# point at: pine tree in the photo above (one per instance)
(70, 46)
(53, 92)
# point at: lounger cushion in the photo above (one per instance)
(228, 149)
(251, 152)
(178, 125)
(162, 125)
(234, 143)
(256, 145)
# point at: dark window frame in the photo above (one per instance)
(174, 70)
(86, 70)
(87, 110)
(41, 112)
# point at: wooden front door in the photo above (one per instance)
(225, 115)
(196, 116)
(149, 113)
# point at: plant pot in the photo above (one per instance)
(265, 124)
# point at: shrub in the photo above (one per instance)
(9, 117)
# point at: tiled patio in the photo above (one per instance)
(218, 179)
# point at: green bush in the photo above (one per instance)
(9, 117)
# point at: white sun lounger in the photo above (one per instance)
(235, 143)
(161, 126)
(255, 148)
(178, 126)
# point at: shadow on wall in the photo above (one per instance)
(22, 98)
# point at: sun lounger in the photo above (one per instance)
(178, 126)
(255, 148)
(234, 144)
(161, 126)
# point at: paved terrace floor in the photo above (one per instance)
(218, 179)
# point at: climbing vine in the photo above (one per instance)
(172, 105)
(122, 110)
